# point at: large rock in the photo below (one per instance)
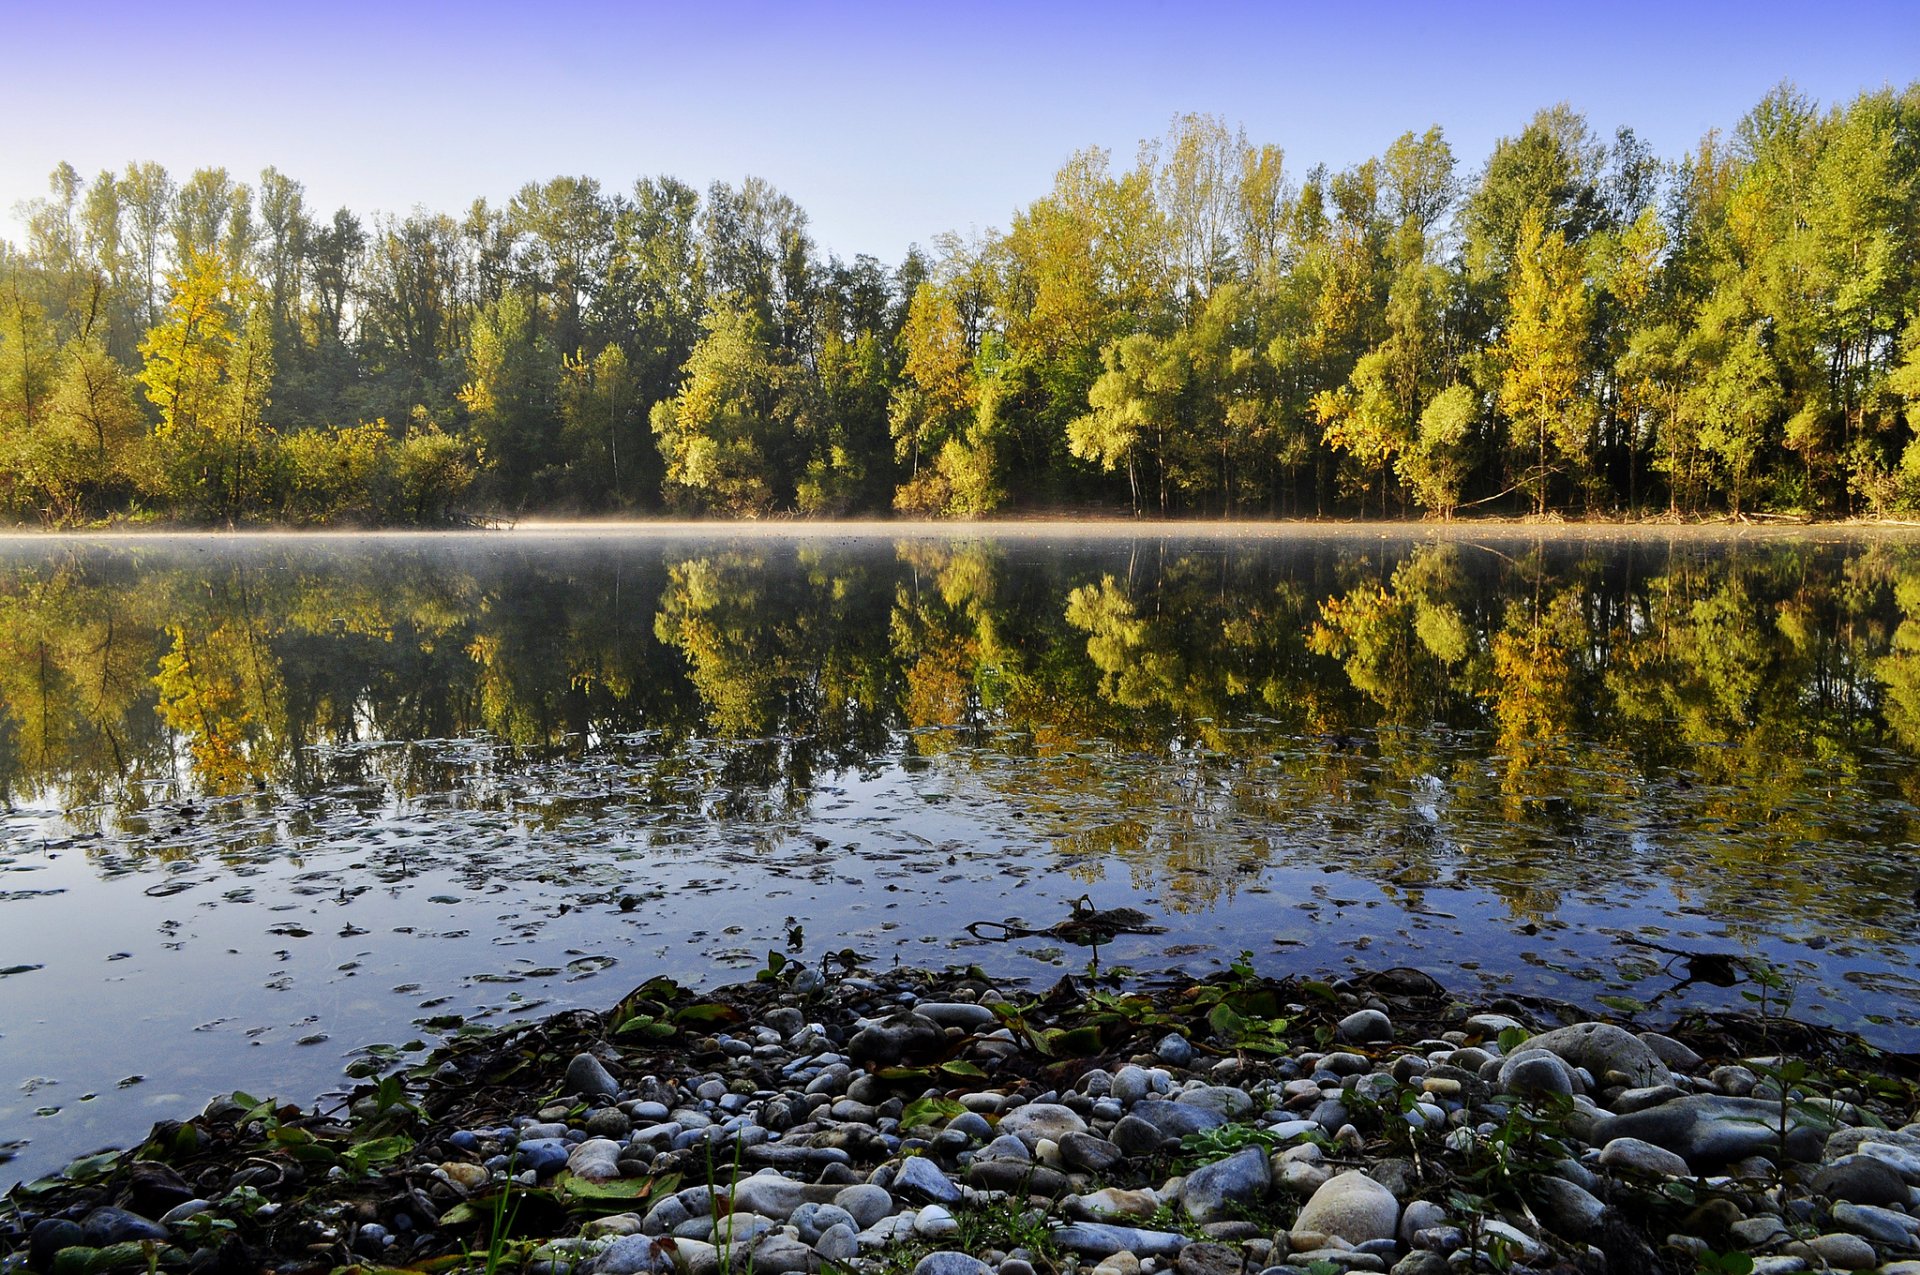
(1366, 1026)
(1711, 1129)
(868, 1203)
(1228, 1101)
(106, 1226)
(770, 1195)
(946, 1263)
(1568, 1209)
(1089, 1154)
(589, 1077)
(1210, 1191)
(1861, 1179)
(1352, 1206)
(1142, 1130)
(1533, 1072)
(921, 1178)
(1601, 1048)
(1039, 1120)
(595, 1160)
(1101, 1240)
(645, 1255)
(902, 1037)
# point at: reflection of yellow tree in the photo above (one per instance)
(1899, 669)
(222, 691)
(1406, 647)
(74, 655)
(1534, 693)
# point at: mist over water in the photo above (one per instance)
(279, 806)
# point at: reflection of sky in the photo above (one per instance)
(889, 122)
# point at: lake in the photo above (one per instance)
(278, 809)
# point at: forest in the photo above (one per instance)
(1577, 327)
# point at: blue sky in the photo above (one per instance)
(889, 123)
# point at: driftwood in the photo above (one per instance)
(1087, 927)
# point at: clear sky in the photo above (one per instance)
(888, 122)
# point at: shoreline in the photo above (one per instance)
(1059, 523)
(1230, 1123)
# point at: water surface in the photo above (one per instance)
(275, 807)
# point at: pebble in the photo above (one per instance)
(1642, 1157)
(589, 1077)
(837, 1180)
(920, 1177)
(1366, 1026)
(1212, 1191)
(1352, 1206)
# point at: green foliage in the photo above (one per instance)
(1199, 331)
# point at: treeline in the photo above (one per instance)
(1577, 325)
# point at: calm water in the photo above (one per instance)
(273, 806)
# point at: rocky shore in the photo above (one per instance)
(923, 1123)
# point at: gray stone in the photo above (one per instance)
(1039, 1120)
(1330, 1114)
(1419, 1215)
(782, 1255)
(1346, 1259)
(1567, 1209)
(945, 1263)
(1142, 1130)
(837, 1243)
(1240, 1179)
(1111, 1202)
(866, 1202)
(812, 1220)
(1352, 1206)
(1366, 1026)
(1174, 1049)
(1752, 1232)
(1089, 1154)
(48, 1237)
(588, 1076)
(1733, 1079)
(1639, 1156)
(897, 1038)
(646, 1255)
(596, 1160)
(935, 1222)
(1601, 1048)
(104, 1226)
(1130, 1084)
(1709, 1129)
(1100, 1239)
(1673, 1053)
(1779, 1264)
(1836, 1249)
(956, 1014)
(1228, 1101)
(1421, 1263)
(1207, 1258)
(771, 1195)
(1020, 1176)
(1533, 1072)
(1884, 1225)
(1861, 1179)
(972, 1124)
(609, 1122)
(1005, 1147)
(1630, 1100)
(921, 1178)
